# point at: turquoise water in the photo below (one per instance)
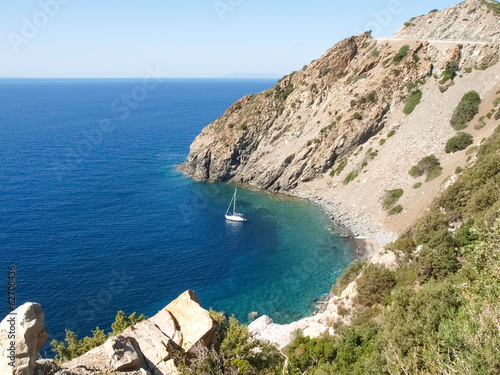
(96, 217)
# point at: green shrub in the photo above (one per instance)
(391, 133)
(412, 101)
(396, 210)
(324, 71)
(480, 124)
(244, 127)
(402, 53)
(230, 126)
(340, 167)
(396, 72)
(305, 353)
(449, 73)
(458, 143)
(404, 244)
(434, 173)
(237, 353)
(350, 177)
(425, 165)
(382, 142)
(347, 277)
(374, 285)
(372, 97)
(375, 53)
(415, 171)
(357, 116)
(328, 128)
(466, 110)
(391, 197)
(73, 347)
(417, 185)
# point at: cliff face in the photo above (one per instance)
(469, 21)
(335, 131)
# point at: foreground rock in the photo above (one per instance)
(22, 334)
(149, 347)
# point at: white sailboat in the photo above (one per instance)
(234, 216)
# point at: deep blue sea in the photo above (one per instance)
(96, 218)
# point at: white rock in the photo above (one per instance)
(26, 323)
(259, 324)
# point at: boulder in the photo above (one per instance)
(154, 344)
(194, 322)
(259, 324)
(123, 353)
(22, 334)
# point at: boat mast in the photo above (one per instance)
(234, 206)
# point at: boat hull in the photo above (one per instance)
(235, 218)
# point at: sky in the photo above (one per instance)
(185, 38)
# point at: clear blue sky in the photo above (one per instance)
(186, 38)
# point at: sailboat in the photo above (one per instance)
(234, 216)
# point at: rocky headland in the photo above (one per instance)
(338, 132)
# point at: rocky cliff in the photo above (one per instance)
(341, 131)
(146, 348)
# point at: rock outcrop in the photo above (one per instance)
(194, 322)
(22, 334)
(149, 347)
(337, 126)
(469, 21)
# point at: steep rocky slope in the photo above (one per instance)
(335, 131)
(467, 21)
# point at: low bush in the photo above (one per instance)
(374, 285)
(328, 128)
(391, 197)
(434, 173)
(412, 101)
(425, 165)
(73, 347)
(372, 97)
(357, 116)
(402, 53)
(458, 143)
(347, 277)
(417, 185)
(391, 133)
(449, 73)
(396, 210)
(375, 53)
(350, 177)
(340, 167)
(466, 110)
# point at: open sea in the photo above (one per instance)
(96, 218)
